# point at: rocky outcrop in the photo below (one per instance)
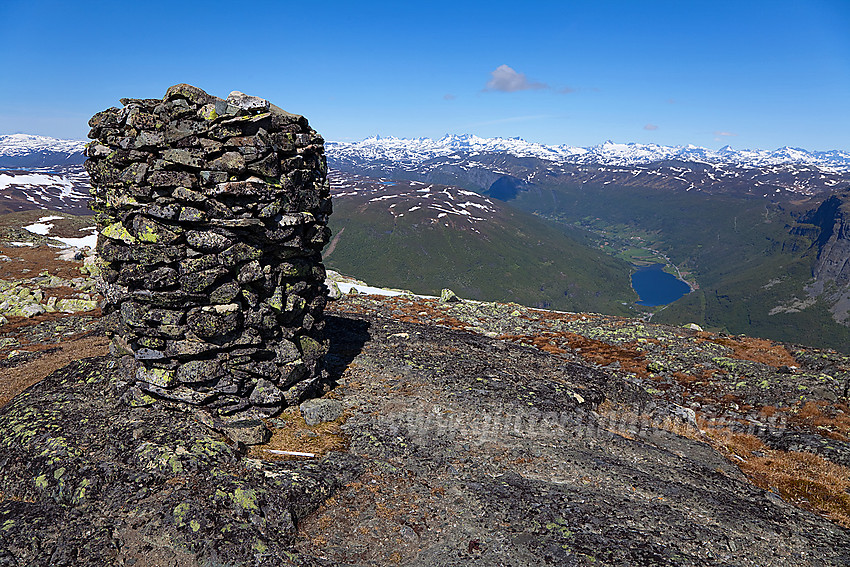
(832, 267)
(833, 216)
(212, 217)
(476, 434)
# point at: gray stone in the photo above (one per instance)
(247, 102)
(148, 354)
(188, 158)
(448, 296)
(198, 371)
(238, 253)
(225, 293)
(156, 376)
(32, 309)
(250, 272)
(247, 431)
(320, 410)
(191, 214)
(286, 351)
(212, 323)
(197, 282)
(232, 162)
(265, 393)
(160, 278)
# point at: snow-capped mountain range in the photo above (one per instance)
(25, 150)
(42, 172)
(417, 150)
(504, 167)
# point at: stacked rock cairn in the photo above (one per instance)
(212, 216)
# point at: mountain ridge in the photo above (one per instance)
(20, 145)
(417, 150)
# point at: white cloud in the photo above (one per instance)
(650, 127)
(506, 80)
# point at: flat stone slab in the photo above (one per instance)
(320, 410)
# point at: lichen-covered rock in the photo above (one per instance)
(212, 217)
(86, 480)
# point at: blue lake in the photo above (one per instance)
(657, 287)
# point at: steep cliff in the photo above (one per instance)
(832, 267)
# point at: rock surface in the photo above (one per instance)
(478, 434)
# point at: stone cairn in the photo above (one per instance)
(212, 216)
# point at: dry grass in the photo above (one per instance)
(630, 359)
(29, 261)
(803, 479)
(824, 418)
(806, 480)
(756, 350)
(291, 433)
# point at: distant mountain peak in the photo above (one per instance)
(418, 150)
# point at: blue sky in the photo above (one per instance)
(752, 74)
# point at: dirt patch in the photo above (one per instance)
(29, 261)
(15, 380)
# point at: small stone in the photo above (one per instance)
(448, 296)
(187, 158)
(211, 324)
(320, 410)
(265, 393)
(148, 230)
(191, 214)
(148, 354)
(232, 162)
(156, 376)
(32, 309)
(116, 231)
(206, 241)
(197, 282)
(238, 253)
(247, 102)
(198, 371)
(225, 293)
(247, 431)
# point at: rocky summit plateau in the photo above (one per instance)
(455, 432)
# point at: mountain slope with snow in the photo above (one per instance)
(418, 150)
(25, 150)
(479, 163)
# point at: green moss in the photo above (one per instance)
(116, 231)
(247, 499)
(41, 482)
(7, 525)
(195, 525)
(559, 526)
(148, 234)
(180, 512)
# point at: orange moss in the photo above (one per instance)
(630, 359)
(803, 479)
(757, 350)
(829, 419)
